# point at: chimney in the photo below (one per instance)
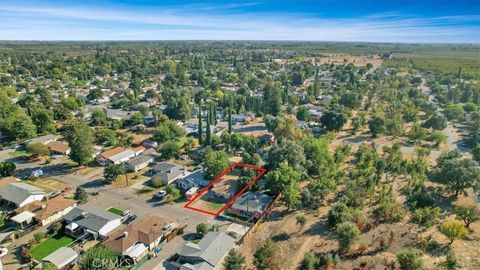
(43, 206)
(125, 234)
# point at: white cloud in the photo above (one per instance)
(78, 23)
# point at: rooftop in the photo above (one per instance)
(46, 209)
(145, 231)
(211, 249)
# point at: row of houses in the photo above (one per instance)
(84, 222)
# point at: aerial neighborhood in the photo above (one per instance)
(238, 155)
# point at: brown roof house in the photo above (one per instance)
(139, 238)
(43, 212)
(59, 148)
(117, 155)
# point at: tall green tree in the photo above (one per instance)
(7, 168)
(81, 195)
(287, 181)
(200, 127)
(113, 171)
(38, 149)
(80, 139)
(229, 120)
(457, 173)
(208, 131)
(215, 162)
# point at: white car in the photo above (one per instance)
(160, 195)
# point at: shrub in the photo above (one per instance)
(339, 213)
(426, 216)
(451, 262)
(410, 259)
(453, 229)
(310, 262)
(264, 257)
(56, 227)
(39, 236)
(347, 234)
(420, 199)
(468, 214)
(157, 182)
(202, 228)
(390, 211)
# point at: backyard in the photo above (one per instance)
(50, 245)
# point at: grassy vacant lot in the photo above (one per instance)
(50, 245)
(18, 153)
(115, 211)
(48, 184)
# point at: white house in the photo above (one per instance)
(20, 194)
(88, 220)
(117, 155)
(139, 162)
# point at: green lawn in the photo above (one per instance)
(50, 245)
(18, 153)
(115, 211)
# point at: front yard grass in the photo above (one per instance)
(115, 211)
(18, 153)
(50, 245)
(133, 178)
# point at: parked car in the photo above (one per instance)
(160, 195)
(130, 219)
(37, 173)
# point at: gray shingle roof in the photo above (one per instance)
(90, 217)
(250, 201)
(167, 171)
(164, 166)
(138, 160)
(19, 192)
(211, 249)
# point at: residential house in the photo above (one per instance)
(250, 205)
(168, 172)
(62, 258)
(208, 254)
(45, 139)
(88, 220)
(119, 114)
(44, 213)
(58, 148)
(225, 189)
(139, 238)
(19, 194)
(116, 155)
(138, 150)
(193, 179)
(139, 162)
(241, 118)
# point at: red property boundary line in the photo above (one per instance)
(261, 171)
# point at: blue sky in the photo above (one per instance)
(453, 21)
